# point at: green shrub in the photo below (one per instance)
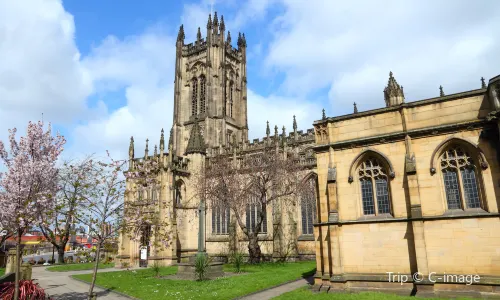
(201, 266)
(156, 269)
(237, 261)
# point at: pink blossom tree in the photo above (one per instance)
(28, 186)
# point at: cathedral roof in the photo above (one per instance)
(196, 143)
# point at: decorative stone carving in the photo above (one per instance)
(332, 174)
(410, 164)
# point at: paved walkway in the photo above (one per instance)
(61, 287)
(274, 292)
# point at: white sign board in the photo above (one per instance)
(144, 253)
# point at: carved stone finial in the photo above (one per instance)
(355, 108)
(198, 35)
(284, 131)
(222, 26)
(170, 139)
(483, 83)
(155, 153)
(196, 143)
(209, 22)
(244, 40)
(268, 131)
(228, 41)
(216, 21)
(294, 124)
(146, 150)
(276, 130)
(240, 41)
(131, 148)
(324, 115)
(441, 93)
(162, 141)
(393, 93)
(181, 35)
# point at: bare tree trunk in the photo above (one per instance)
(60, 255)
(94, 275)
(18, 265)
(254, 248)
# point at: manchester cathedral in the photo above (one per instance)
(410, 188)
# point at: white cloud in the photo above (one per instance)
(144, 66)
(40, 71)
(350, 47)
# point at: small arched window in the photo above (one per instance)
(194, 98)
(308, 206)
(220, 219)
(460, 179)
(374, 187)
(202, 94)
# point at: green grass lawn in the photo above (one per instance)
(306, 293)
(2, 271)
(78, 267)
(143, 285)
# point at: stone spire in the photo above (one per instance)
(131, 148)
(283, 136)
(215, 24)
(222, 26)
(294, 123)
(146, 150)
(170, 139)
(276, 132)
(155, 153)
(228, 38)
(441, 93)
(181, 35)
(324, 115)
(198, 35)
(196, 143)
(209, 22)
(162, 142)
(268, 131)
(483, 83)
(393, 93)
(244, 40)
(355, 108)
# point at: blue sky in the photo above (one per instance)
(102, 71)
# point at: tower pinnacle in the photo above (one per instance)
(393, 93)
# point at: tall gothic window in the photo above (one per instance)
(194, 98)
(202, 94)
(154, 195)
(231, 99)
(253, 215)
(374, 188)
(308, 206)
(145, 235)
(220, 220)
(460, 180)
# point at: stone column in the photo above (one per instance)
(11, 261)
(201, 228)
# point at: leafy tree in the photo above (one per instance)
(28, 187)
(74, 186)
(252, 183)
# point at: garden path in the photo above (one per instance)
(61, 287)
(281, 289)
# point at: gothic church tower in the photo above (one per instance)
(211, 86)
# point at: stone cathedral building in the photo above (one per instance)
(210, 118)
(410, 187)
